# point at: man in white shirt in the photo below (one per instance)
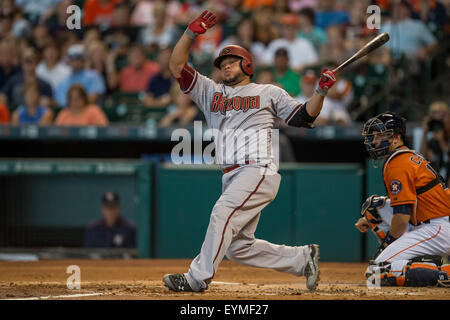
(51, 69)
(301, 51)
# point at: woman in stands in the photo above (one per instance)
(79, 112)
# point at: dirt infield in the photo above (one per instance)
(141, 279)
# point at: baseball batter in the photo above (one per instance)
(414, 220)
(240, 111)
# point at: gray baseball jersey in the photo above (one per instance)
(242, 113)
(242, 116)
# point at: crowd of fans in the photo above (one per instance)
(51, 74)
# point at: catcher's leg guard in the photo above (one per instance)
(421, 272)
(424, 275)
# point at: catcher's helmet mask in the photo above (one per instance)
(385, 126)
(238, 52)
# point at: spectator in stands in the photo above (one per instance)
(117, 57)
(56, 19)
(335, 49)
(51, 68)
(308, 30)
(98, 12)
(280, 8)
(143, 12)
(298, 5)
(328, 14)
(90, 80)
(136, 75)
(158, 34)
(6, 18)
(336, 103)
(32, 112)
(293, 44)
(13, 91)
(65, 40)
(409, 37)
(266, 76)
(79, 111)
(158, 90)
(35, 9)
(183, 111)
(12, 20)
(40, 36)
(8, 60)
(120, 17)
(334, 110)
(120, 27)
(284, 75)
(436, 138)
(97, 56)
(357, 24)
(91, 35)
(307, 84)
(265, 33)
(112, 231)
(4, 114)
(433, 14)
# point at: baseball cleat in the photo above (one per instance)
(312, 268)
(177, 282)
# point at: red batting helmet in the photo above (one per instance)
(237, 51)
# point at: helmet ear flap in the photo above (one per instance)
(246, 66)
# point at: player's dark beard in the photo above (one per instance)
(234, 80)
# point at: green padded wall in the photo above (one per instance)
(62, 194)
(315, 204)
(184, 198)
(328, 202)
(374, 185)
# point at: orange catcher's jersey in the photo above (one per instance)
(406, 171)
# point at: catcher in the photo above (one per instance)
(412, 224)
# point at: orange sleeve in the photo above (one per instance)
(399, 181)
(61, 118)
(97, 117)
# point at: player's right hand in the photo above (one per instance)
(202, 23)
(326, 81)
(362, 225)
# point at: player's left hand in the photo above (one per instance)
(202, 23)
(327, 80)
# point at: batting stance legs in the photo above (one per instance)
(233, 222)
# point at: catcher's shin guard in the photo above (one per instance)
(414, 274)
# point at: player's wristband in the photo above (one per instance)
(321, 91)
(389, 239)
(190, 34)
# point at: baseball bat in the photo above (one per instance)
(373, 44)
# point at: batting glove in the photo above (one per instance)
(327, 80)
(199, 26)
